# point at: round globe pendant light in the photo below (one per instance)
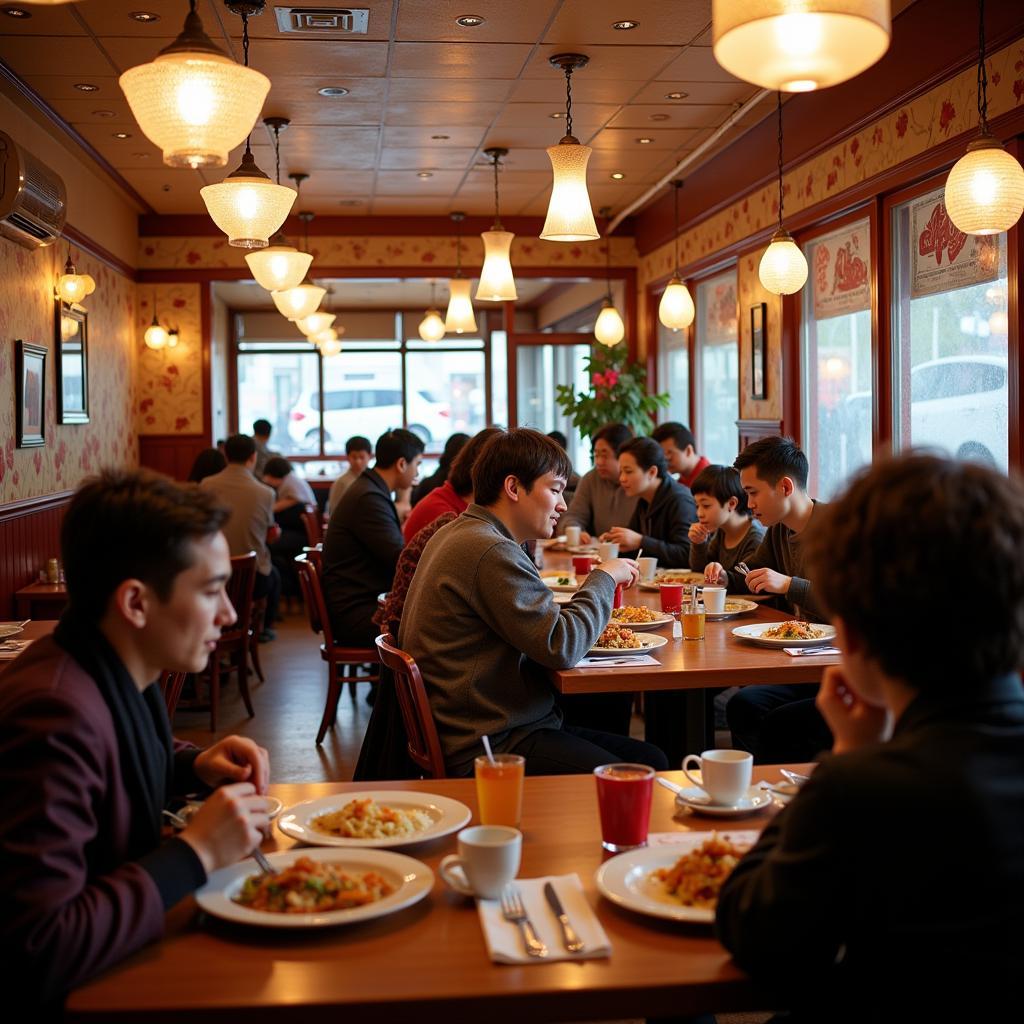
(431, 327)
(193, 100)
(783, 267)
(676, 310)
(570, 217)
(608, 328)
(459, 317)
(797, 47)
(302, 301)
(985, 188)
(156, 336)
(497, 283)
(72, 286)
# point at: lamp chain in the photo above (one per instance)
(982, 73)
(568, 99)
(779, 104)
(675, 237)
(245, 61)
(458, 249)
(608, 254)
(277, 151)
(497, 214)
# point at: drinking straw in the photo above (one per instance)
(487, 750)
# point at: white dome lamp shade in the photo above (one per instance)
(497, 282)
(609, 329)
(315, 322)
(676, 310)
(459, 318)
(304, 299)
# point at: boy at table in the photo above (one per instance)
(773, 473)
(892, 887)
(87, 760)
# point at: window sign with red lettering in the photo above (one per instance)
(841, 271)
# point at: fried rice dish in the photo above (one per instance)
(696, 879)
(311, 887)
(793, 630)
(633, 614)
(366, 819)
(618, 638)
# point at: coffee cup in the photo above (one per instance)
(648, 567)
(572, 536)
(724, 774)
(488, 859)
(714, 598)
(606, 551)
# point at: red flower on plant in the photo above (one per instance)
(947, 115)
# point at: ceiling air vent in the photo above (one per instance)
(349, 21)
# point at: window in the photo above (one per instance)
(950, 322)
(836, 356)
(674, 373)
(280, 386)
(718, 359)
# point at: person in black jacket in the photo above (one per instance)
(661, 521)
(364, 539)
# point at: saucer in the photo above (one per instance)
(699, 802)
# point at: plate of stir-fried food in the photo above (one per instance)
(793, 633)
(617, 640)
(637, 615)
(316, 888)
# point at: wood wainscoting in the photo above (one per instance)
(754, 430)
(29, 536)
(172, 454)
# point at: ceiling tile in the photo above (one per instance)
(589, 22)
(440, 117)
(62, 87)
(697, 92)
(295, 87)
(405, 183)
(448, 90)
(403, 159)
(695, 64)
(78, 55)
(323, 181)
(688, 115)
(43, 21)
(538, 115)
(551, 90)
(82, 110)
(112, 18)
(617, 63)
(624, 139)
(421, 205)
(168, 189)
(521, 22)
(395, 137)
(319, 111)
(265, 26)
(458, 60)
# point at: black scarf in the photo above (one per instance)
(144, 740)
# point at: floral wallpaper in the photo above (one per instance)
(169, 396)
(72, 451)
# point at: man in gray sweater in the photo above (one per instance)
(599, 502)
(485, 630)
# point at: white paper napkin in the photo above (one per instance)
(505, 941)
(627, 660)
(806, 652)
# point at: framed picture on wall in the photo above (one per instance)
(71, 344)
(759, 351)
(30, 395)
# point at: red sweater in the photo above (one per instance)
(440, 500)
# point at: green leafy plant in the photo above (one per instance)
(618, 395)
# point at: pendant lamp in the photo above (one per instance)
(280, 265)
(783, 267)
(570, 217)
(330, 348)
(609, 329)
(799, 46)
(301, 301)
(676, 310)
(72, 286)
(315, 323)
(985, 188)
(156, 335)
(497, 283)
(247, 206)
(459, 317)
(431, 327)
(193, 100)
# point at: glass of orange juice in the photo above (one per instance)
(499, 789)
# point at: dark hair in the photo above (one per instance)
(278, 466)
(615, 435)
(261, 428)
(207, 462)
(460, 476)
(722, 483)
(520, 452)
(559, 438)
(397, 444)
(358, 444)
(452, 447)
(135, 524)
(239, 448)
(676, 432)
(882, 552)
(647, 453)
(772, 458)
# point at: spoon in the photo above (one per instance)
(795, 777)
(672, 786)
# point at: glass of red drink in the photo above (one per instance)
(624, 800)
(581, 565)
(617, 600)
(671, 596)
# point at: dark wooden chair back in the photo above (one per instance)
(171, 685)
(309, 583)
(239, 588)
(313, 521)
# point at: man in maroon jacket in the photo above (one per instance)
(87, 760)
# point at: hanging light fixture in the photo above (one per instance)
(247, 206)
(570, 217)
(330, 348)
(985, 188)
(783, 268)
(280, 265)
(459, 317)
(497, 283)
(315, 323)
(156, 336)
(72, 286)
(193, 100)
(301, 301)
(609, 329)
(676, 309)
(799, 46)
(431, 327)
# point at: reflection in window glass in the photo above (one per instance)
(280, 387)
(499, 378)
(446, 393)
(836, 340)
(674, 373)
(362, 395)
(950, 322)
(718, 346)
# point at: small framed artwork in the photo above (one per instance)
(71, 344)
(759, 351)
(30, 395)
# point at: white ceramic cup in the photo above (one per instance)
(714, 598)
(607, 551)
(572, 536)
(725, 774)
(488, 859)
(648, 567)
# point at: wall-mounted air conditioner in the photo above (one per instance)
(33, 200)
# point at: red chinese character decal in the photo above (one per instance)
(941, 235)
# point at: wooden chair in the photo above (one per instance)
(342, 662)
(424, 746)
(171, 685)
(313, 521)
(230, 654)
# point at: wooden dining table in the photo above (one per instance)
(32, 630)
(429, 961)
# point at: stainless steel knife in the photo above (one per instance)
(572, 942)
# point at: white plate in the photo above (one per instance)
(699, 802)
(8, 629)
(626, 880)
(753, 634)
(662, 619)
(742, 607)
(411, 879)
(448, 816)
(648, 642)
(581, 549)
(188, 812)
(562, 588)
(685, 576)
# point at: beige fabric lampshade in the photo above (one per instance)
(298, 302)
(570, 217)
(985, 189)
(799, 45)
(460, 317)
(497, 283)
(278, 267)
(676, 309)
(783, 267)
(431, 327)
(609, 329)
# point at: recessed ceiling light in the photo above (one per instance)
(424, 174)
(625, 26)
(146, 17)
(470, 20)
(103, 113)
(333, 90)
(676, 95)
(17, 12)
(617, 175)
(441, 138)
(645, 141)
(86, 87)
(659, 117)
(557, 115)
(122, 135)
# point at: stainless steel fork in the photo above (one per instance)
(265, 866)
(514, 911)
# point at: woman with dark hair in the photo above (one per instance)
(452, 447)
(208, 462)
(660, 524)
